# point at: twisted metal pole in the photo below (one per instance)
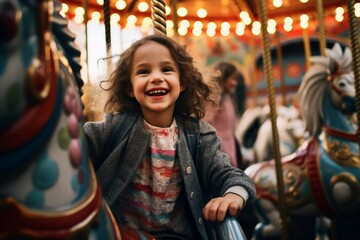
(322, 37)
(86, 19)
(175, 16)
(307, 48)
(158, 15)
(273, 115)
(106, 9)
(254, 89)
(355, 48)
(279, 53)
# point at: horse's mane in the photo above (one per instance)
(65, 40)
(312, 88)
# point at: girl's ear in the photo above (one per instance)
(131, 92)
(182, 87)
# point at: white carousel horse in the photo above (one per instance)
(322, 177)
(291, 134)
(254, 131)
(48, 188)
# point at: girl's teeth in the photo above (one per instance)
(157, 92)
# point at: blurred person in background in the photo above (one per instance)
(223, 118)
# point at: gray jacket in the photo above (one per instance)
(210, 174)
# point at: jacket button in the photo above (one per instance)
(200, 221)
(188, 170)
(191, 194)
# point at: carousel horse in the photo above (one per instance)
(48, 188)
(321, 179)
(291, 134)
(254, 132)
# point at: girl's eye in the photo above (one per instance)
(142, 71)
(168, 69)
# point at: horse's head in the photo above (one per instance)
(24, 60)
(26, 54)
(12, 98)
(341, 78)
(327, 88)
(39, 103)
(48, 188)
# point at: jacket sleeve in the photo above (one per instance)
(217, 174)
(96, 134)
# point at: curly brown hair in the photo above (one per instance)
(191, 101)
(224, 70)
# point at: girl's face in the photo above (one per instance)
(155, 83)
(231, 83)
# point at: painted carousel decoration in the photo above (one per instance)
(48, 189)
(322, 177)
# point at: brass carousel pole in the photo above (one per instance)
(106, 9)
(175, 16)
(279, 53)
(322, 39)
(355, 48)
(322, 42)
(306, 47)
(254, 75)
(273, 115)
(86, 19)
(158, 15)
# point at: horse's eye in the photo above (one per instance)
(8, 22)
(342, 84)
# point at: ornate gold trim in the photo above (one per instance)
(293, 175)
(341, 153)
(351, 181)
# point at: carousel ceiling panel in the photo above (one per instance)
(218, 10)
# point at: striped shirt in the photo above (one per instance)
(151, 200)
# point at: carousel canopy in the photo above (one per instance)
(213, 14)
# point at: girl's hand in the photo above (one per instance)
(216, 208)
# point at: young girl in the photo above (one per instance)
(153, 180)
(223, 118)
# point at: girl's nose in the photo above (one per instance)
(157, 76)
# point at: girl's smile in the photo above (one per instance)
(157, 92)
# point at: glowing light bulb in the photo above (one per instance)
(202, 13)
(182, 12)
(120, 4)
(167, 10)
(143, 6)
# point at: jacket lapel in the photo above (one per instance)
(125, 158)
